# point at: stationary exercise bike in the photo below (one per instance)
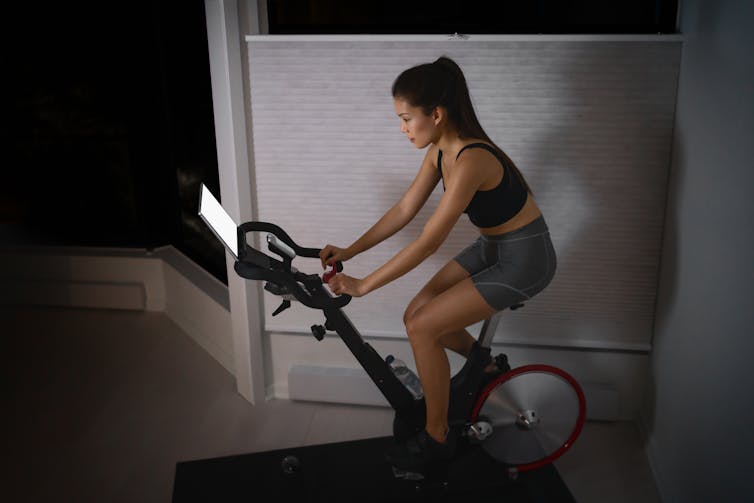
(521, 418)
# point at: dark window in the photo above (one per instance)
(472, 16)
(110, 128)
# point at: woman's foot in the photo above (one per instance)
(496, 367)
(420, 451)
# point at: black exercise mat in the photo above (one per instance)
(357, 472)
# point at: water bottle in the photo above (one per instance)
(406, 376)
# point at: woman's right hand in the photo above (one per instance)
(331, 254)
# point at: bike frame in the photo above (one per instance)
(464, 386)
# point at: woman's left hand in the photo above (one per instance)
(343, 284)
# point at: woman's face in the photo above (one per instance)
(420, 129)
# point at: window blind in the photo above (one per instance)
(589, 124)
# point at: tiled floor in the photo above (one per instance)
(103, 404)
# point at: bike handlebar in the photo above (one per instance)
(307, 289)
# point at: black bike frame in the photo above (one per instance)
(464, 386)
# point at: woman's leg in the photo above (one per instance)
(444, 316)
(450, 275)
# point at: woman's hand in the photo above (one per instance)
(343, 284)
(331, 254)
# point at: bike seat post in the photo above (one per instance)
(488, 330)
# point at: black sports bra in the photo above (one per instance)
(490, 208)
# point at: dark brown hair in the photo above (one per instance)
(442, 83)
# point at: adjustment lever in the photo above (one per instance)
(285, 305)
(338, 267)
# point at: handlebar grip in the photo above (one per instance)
(278, 246)
(278, 233)
(253, 264)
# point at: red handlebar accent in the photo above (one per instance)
(326, 277)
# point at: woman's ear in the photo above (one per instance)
(438, 115)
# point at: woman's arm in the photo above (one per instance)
(459, 192)
(397, 217)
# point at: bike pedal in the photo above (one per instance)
(479, 431)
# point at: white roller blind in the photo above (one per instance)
(589, 123)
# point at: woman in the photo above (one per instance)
(512, 260)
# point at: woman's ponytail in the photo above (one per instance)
(442, 83)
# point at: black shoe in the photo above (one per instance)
(421, 451)
(501, 367)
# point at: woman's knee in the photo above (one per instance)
(407, 314)
(419, 330)
(417, 303)
(413, 328)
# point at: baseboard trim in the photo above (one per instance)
(75, 294)
(128, 279)
(353, 386)
(333, 385)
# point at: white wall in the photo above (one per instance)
(228, 97)
(699, 413)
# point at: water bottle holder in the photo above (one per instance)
(418, 392)
(406, 376)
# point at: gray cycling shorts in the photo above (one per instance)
(512, 267)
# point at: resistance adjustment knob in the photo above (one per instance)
(318, 331)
